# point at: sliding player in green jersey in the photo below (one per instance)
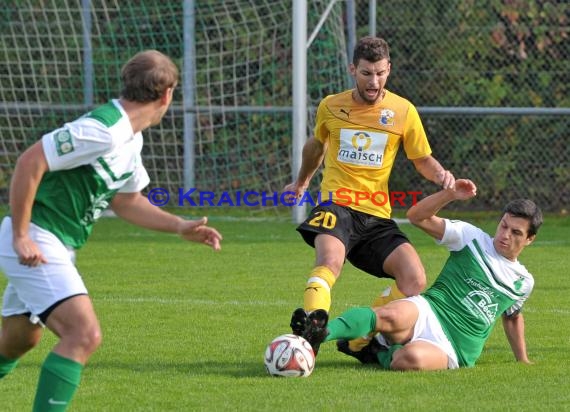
(447, 326)
(60, 187)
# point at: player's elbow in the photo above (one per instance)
(413, 216)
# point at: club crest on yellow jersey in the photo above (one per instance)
(386, 117)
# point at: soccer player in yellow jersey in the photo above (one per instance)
(358, 133)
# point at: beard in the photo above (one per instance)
(364, 96)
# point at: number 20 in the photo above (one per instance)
(324, 219)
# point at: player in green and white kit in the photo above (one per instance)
(60, 187)
(448, 325)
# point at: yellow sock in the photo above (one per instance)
(318, 290)
(388, 295)
(357, 344)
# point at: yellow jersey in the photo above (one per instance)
(363, 141)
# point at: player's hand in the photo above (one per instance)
(29, 254)
(197, 231)
(296, 190)
(445, 179)
(465, 189)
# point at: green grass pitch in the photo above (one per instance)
(185, 328)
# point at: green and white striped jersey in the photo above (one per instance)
(90, 160)
(475, 287)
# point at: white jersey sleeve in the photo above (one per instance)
(458, 234)
(76, 144)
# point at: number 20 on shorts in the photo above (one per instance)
(323, 219)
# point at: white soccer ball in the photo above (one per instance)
(290, 356)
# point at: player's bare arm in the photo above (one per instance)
(514, 330)
(136, 209)
(423, 214)
(432, 170)
(313, 154)
(30, 168)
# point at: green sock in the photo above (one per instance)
(352, 324)
(385, 358)
(6, 365)
(58, 382)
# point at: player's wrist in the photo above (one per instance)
(301, 185)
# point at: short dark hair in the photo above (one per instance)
(147, 76)
(526, 209)
(371, 49)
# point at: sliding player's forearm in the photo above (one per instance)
(429, 206)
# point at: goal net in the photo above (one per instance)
(61, 58)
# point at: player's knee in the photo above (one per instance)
(407, 360)
(86, 339)
(388, 317)
(15, 342)
(413, 283)
(17, 348)
(30, 342)
(93, 339)
(419, 283)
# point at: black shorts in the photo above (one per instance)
(368, 239)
